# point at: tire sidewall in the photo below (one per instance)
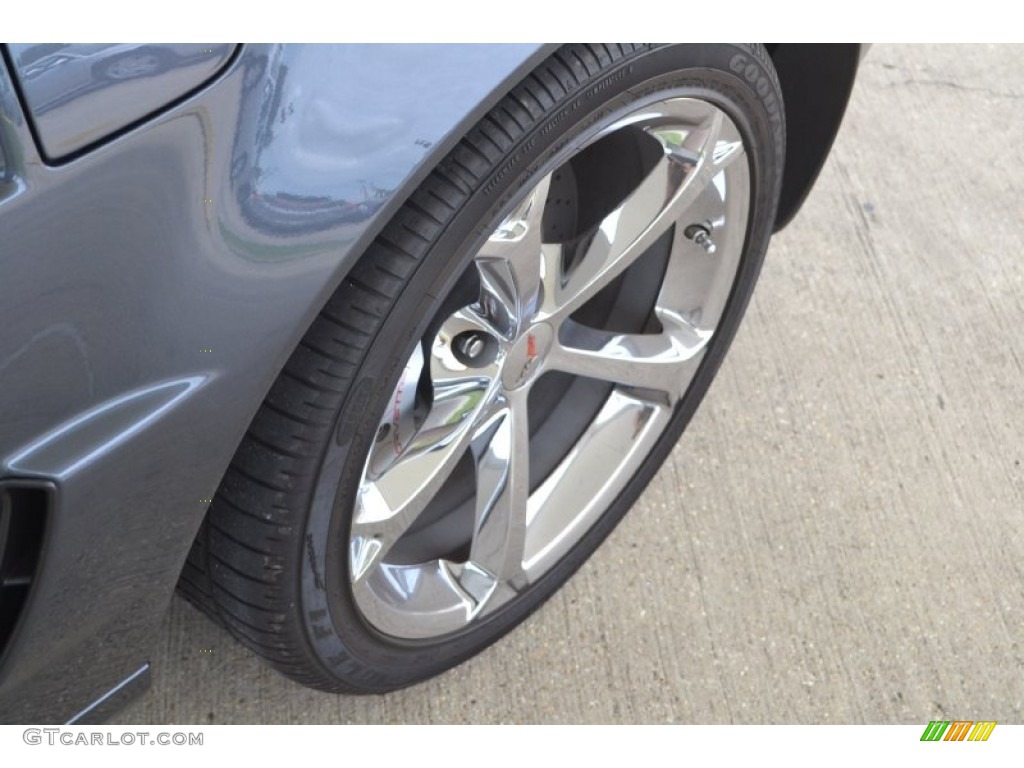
(737, 79)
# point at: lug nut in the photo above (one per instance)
(471, 345)
(701, 236)
(474, 349)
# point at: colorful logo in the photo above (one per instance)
(958, 730)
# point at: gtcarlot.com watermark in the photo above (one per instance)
(76, 738)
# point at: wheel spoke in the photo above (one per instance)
(624, 234)
(503, 468)
(394, 497)
(511, 264)
(727, 145)
(697, 284)
(662, 363)
(388, 506)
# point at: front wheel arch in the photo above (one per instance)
(816, 81)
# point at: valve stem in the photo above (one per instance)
(701, 236)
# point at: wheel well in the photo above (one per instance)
(816, 80)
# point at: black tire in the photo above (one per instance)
(269, 560)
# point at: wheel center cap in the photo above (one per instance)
(526, 356)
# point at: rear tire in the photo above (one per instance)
(290, 557)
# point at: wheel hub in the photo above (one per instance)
(525, 358)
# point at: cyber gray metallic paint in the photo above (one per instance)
(79, 94)
(222, 225)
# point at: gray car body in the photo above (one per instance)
(155, 277)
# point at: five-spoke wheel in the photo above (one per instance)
(464, 398)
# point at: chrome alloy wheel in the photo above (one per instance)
(532, 402)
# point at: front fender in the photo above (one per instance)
(152, 290)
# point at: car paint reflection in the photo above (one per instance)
(83, 93)
(329, 132)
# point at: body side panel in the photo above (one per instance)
(153, 289)
(80, 94)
